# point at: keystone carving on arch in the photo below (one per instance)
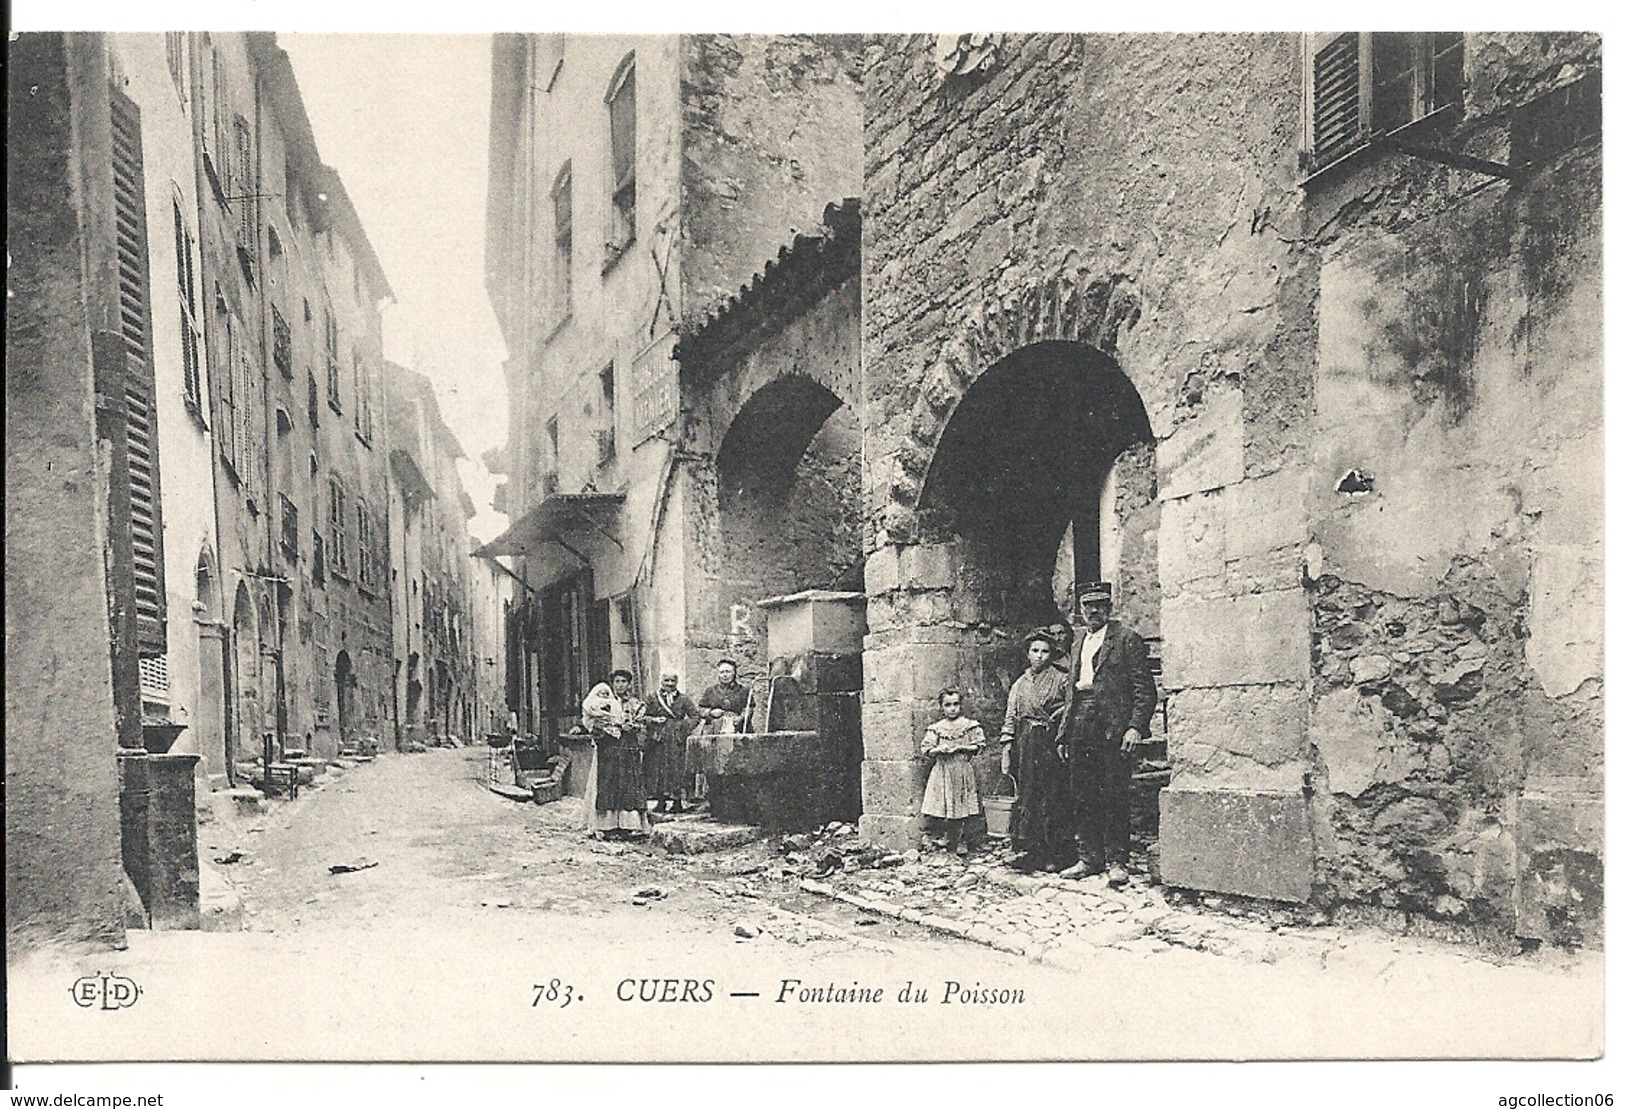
(1069, 303)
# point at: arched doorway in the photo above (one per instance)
(244, 740)
(344, 683)
(1045, 476)
(789, 500)
(1038, 474)
(209, 727)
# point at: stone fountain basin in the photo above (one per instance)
(789, 780)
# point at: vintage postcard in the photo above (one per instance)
(804, 547)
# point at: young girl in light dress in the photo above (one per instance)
(950, 791)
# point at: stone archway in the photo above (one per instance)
(210, 725)
(1026, 438)
(789, 497)
(344, 685)
(1070, 304)
(243, 737)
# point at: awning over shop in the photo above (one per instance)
(557, 517)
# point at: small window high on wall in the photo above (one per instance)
(1362, 85)
(623, 158)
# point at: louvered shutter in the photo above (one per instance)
(186, 282)
(247, 413)
(225, 374)
(1337, 98)
(140, 387)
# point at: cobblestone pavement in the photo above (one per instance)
(1055, 920)
(451, 905)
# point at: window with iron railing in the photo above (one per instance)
(330, 334)
(290, 526)
(281, 344)
(338, 542)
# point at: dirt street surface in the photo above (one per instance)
(494, 930)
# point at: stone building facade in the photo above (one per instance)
(613, 231)
(434, 578)
(1297, 340)
(180, 240)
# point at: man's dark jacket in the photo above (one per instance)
(1125, 691)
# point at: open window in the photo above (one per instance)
(623, 159)
(1361, 86)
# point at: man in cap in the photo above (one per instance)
(1108, 713)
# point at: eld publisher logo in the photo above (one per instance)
(105, 991)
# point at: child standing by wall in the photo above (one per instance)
(950, 791)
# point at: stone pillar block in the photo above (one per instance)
(928, 566)
(1267, 513)
(1191, 545)
(1204, 452)
(882, 572)
(172, 841)
(893, 787)
(1239, 737)
(1255, 639)
(1560, 866)
(894, 833)
(1248, 843)
(135, 802)
(888, 730)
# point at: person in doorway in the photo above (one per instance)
(950, 791)
(670, 714)
(1041, 820)
(1110, 699)
(614, 801)
(723, 706)
(1063, 635)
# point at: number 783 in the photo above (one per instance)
(553, 993)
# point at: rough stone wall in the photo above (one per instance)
(1122, 192)
(772, 132)
(63, 874)
(1457, 590)
(774, 502)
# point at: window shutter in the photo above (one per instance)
(226, 421)
(243, 187)
(1337, 97)
(140, 387)
(623, 130)
(186, 282)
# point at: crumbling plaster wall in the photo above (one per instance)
(1457, 603)
(1129, 192)
(772, 133)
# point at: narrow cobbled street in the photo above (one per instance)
(462, 925)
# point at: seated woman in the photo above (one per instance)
(615, 799)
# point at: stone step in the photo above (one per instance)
(242, 799)
(699, 836)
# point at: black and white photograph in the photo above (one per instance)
(804, 547)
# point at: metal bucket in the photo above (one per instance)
(997, 812)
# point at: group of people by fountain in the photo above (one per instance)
(1071, 726)
(640, 746)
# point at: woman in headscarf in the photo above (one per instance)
(671, 716)
(1041, 820)
(615, 799)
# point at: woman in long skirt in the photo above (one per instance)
(671, 716)
(615, 797)
(1041, 819)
